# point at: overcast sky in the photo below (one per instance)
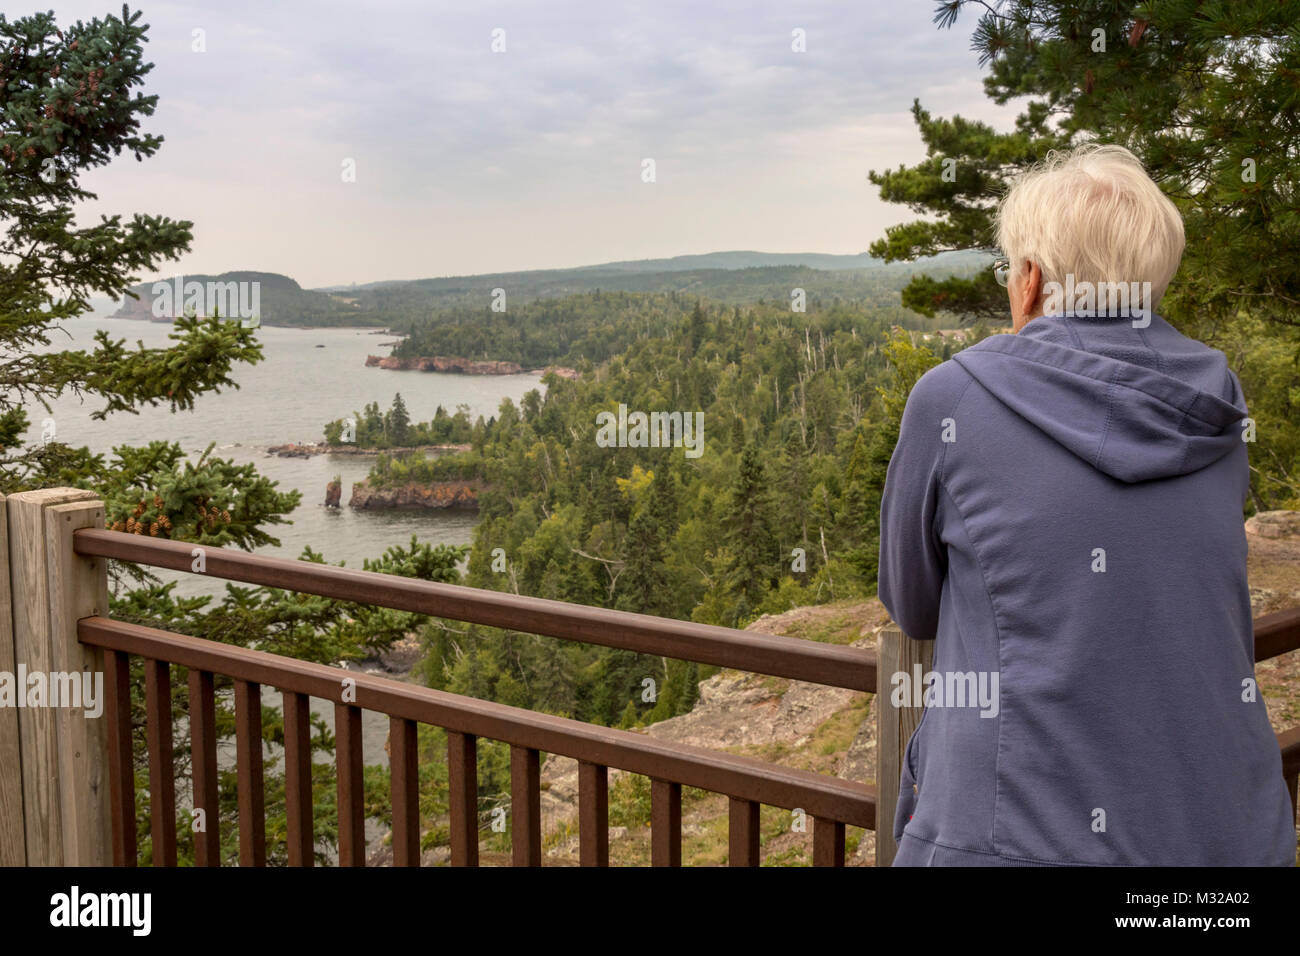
(469, 160)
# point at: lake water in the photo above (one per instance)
(285, 398)
(288, 397)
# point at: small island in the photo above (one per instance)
(431, 464)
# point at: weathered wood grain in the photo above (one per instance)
(896, 652)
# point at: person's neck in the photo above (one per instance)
(1037, 315)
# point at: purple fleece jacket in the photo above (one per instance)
(1062, 516)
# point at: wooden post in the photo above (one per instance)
(895, 653)
(63, 756)
(13, 842)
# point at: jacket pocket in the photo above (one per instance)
(908, 785)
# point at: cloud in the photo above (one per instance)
(472, 161)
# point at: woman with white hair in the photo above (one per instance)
(1062, 516)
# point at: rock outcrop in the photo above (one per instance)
(308, 449)
(444, 363)
(1275, 524)
(333, 493)
(745, 712)
(1273, 539)
(439, 495)
(735, 709)
(293, 450)
(461, 366)
(562, 371)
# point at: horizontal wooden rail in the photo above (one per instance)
(1277, 633)
(830, 664)
(741, 777)
(1289, 741)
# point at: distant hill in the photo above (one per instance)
(953, 261)
(752, 260)
(731, 277)
(726, 277)
(282, 301)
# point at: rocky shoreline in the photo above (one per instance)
(309, 449)
(460, 366)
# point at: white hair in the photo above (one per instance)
(1095, 213)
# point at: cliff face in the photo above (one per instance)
(444, 363)
(439, 495)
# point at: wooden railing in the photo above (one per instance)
(74, 799)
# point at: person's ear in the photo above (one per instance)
(1031, 287)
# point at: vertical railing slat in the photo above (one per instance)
(462, 780)
(665, 823)
(525, 806)
(297, 779)
(121, 770)
(405, 780)
(203, 767)
(348, 758)
(593, 814)
(742, 832)
(162, 774)
(828, 842)
(248, 757)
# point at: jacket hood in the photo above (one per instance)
(1135, 403)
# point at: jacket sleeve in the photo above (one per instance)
(913, 558)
